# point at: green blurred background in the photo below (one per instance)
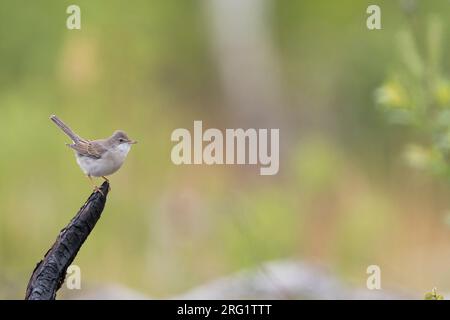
(344, 198)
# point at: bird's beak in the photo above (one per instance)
(132, 142)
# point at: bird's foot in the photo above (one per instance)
(97, 189)
(107, 180)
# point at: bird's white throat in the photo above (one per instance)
(123, 149)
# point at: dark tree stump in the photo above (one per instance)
(49, 274)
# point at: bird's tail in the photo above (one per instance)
(72, 135)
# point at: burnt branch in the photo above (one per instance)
(49, 274)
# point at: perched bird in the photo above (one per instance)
(98, 158)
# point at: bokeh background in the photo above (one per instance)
(344, 198)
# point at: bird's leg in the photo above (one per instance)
(97, 189)
(107, 180)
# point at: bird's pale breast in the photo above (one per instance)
(110, 162)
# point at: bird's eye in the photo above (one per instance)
(121, 140)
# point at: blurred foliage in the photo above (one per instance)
(418, 94)
(433, 295)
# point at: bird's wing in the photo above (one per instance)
(88, 148)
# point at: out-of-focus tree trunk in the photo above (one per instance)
(247, 61)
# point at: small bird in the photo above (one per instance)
(98, 158)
